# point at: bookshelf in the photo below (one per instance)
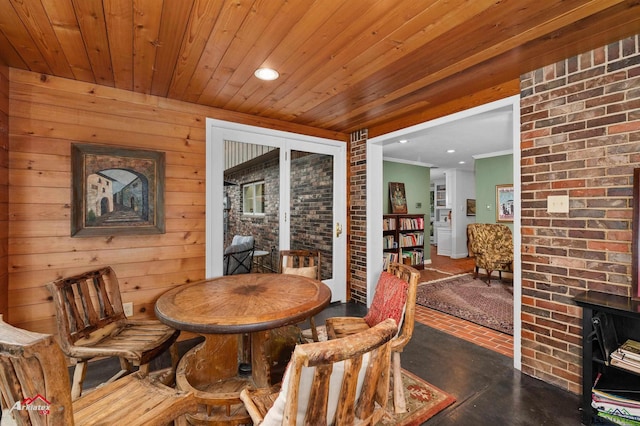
(441, 196)
(403, 239)
(623, 315)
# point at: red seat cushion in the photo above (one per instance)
(388, 300)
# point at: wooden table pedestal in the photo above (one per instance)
(211, 371)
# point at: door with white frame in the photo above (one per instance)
(288, 189)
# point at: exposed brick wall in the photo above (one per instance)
(580, 137)
(311, 196)
(358, 216)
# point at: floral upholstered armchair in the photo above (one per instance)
(492, 246)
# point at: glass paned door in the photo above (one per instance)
(311, 206)
(292, 193)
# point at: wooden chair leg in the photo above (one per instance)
(314, 330)
(167, 376)
(181, 421)
(144, 370)
(78, 378)
(399, 403)
(489, 272)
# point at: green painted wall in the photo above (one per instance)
(416, 181)
(489, 173)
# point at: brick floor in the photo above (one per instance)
(481, 336)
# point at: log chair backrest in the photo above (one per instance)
(371, 346)
(299, 259)
(34, 374)
(88, 306)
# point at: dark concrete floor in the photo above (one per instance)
(488, 390)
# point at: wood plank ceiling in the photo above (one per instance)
(344, 64)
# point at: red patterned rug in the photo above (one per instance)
(472, 300)
(423, 402)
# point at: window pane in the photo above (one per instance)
(259, 199)
(247, 204)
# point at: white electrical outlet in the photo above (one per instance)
(128, 308)
(558, 204)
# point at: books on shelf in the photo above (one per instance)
(388, 224)
(618, 401)
(413, 257)
(403, 232)
(412, 239)
(627, 356)
(410, 223)
(388, 258)
(630, 349)
(389, 242)
(625, 363)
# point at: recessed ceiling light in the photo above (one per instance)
(266, 74)
(461, 162)
(403, 141)
(451, 151)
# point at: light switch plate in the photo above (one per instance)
(558, 204)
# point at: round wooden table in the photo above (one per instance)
(225, 311)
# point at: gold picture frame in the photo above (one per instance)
(504, 203)
(397, 198)
(116, 191)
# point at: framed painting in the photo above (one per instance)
(116, 191)
(504, 203)
(471, 207)
(397, 198)
(635, 237)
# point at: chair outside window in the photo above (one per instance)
(305, 263)
(330, 383)
(91, 323)
(33, 368)
(394, 297)
(238, 257)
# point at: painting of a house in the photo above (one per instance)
(117, 190)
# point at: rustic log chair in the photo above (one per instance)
(320, 385)
(33, 369)
(491, 245)
(91, 323)
(405, 278)
(305, 263)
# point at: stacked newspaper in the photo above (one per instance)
(627, 356)
(616, 397)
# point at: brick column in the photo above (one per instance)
(358, 216)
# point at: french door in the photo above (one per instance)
(304, 182)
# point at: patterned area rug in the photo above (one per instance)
(423, 402)
(471, 300)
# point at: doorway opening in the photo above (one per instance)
(377, 150)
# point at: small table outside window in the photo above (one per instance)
(258, 260)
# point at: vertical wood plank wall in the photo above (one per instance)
(46, 116)
(4, 190)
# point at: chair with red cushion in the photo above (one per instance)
(395, 297)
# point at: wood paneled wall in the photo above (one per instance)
(4, 188)
(46, 116)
